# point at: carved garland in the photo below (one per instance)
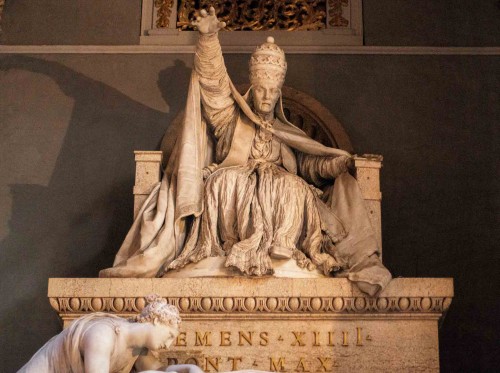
(335, 13)
(246, 15)
(259, 304)
(163, 12)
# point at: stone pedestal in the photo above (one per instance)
(280, 324)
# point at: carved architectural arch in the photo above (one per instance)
(312, 117)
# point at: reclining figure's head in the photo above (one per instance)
(163, 322)
(267, 74)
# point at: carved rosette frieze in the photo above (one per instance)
(281, 305)
(163, 12)
(257, 15)
(336, 13)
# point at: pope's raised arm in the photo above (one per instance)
(218, 105)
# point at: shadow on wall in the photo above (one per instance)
(74, 226)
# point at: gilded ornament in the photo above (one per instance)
(335, 13)
(257, 15)
(163, 12)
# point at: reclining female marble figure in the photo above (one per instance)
(103, 343)
(244, 183)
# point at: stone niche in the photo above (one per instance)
(280, 324)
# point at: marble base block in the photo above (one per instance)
(280, 324)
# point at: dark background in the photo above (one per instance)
(69, 125)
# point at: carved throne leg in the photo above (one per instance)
(368, 175)
(147, 174)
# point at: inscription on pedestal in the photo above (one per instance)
(294, 346)
(279, 345)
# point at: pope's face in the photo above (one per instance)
(161, 336)
(265, 96)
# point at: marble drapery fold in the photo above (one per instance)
(158, 233)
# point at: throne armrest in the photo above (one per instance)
(147, 175)
(367, 172)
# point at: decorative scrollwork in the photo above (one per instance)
(163, 12)
(336, 18)
(2, 4)
(197, 305)
(256, 15)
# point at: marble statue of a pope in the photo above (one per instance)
(245, 184)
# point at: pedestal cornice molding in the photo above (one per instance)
(279, 324)
(281, 305)
(237, 296)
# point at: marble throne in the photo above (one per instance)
(299, 324)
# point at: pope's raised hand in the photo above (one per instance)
(207, 23)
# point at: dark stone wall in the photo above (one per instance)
(72, 22)
(450, 23)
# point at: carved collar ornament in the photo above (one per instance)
(268, 64)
